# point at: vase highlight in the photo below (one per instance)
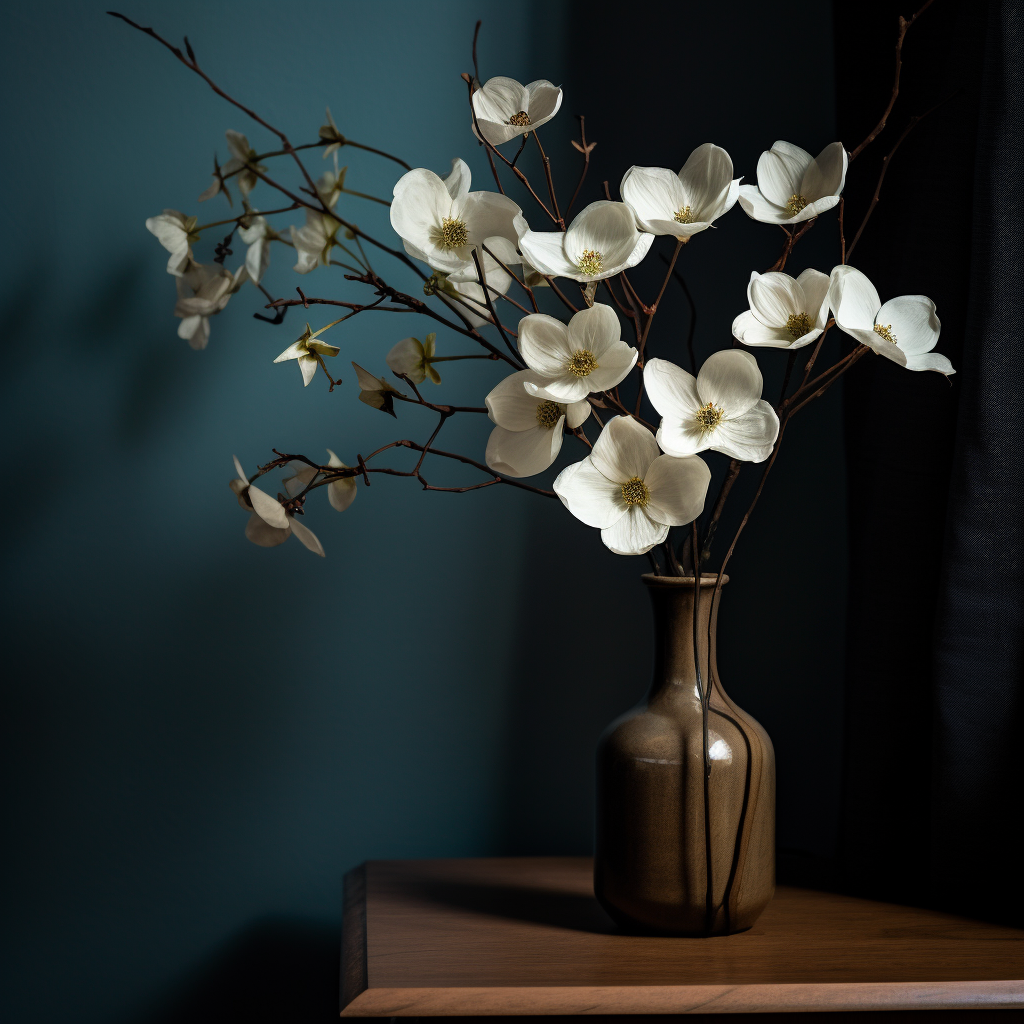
(685, 839)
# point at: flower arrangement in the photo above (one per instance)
(638, 422)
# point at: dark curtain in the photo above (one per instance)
(933, 703)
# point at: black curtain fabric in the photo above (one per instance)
(933, 703)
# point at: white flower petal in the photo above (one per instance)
(576, 414)
(615, 364)
(852, 299)
(705, 176)
(607, 228)
(459, 179)
(544, 344)
(780, 172)
(774, 297)
(730, 379)
(308, 538)
(488, 214)
(546, 252)
(654, 194)
(407, 357)
(595, 329)
(748, 330)
(672, 391)
(756, 207)
(589, 495)
(264, 535)
(625, 449)
(683, 437)
(307, 367)
(521, 453)
(930, 361)
(634, 534)
(814, 285)
(749, 437)
(340, 493)
(544, 100)
(510, 406)
(826, 174)
(269, 509)
(913, 321)
(677, 489)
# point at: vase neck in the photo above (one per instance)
(672, 601)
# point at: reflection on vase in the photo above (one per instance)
(663, 864)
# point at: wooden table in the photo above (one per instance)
(524, 936)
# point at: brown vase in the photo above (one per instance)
(685, 798)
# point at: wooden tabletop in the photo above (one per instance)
(524, 936)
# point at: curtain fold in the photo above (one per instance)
(979, 640)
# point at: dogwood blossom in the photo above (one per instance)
(631, 492)
(784, 312)
(529, 428)
(586, 356)
(340, 493)
(411, 357)
(792, 186)
(203, 291)
(720, 409)
(243, 162)
(601, 241)
(505, 109)
(904, 329)
(313, 241)
(440, 221)
(682, 204)
(257, 234)
(306, 349)
(269, 523)
(176, 233)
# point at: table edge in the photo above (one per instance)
(664, 999)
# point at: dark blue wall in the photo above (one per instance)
(202, 736)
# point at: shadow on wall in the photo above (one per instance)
(276, 969)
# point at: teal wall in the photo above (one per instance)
(201, 736)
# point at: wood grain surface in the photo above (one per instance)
(525, 936)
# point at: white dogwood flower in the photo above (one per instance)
(601, 241)
(176, 233)
(340, 493)
(631, 492)
(721, 408)
(411, 357)
(784, 312)
(306, 349)
(682, 204)
(574, 361)
(242, 162)
(313, 241)
(257, 234)
(203, 291)
(792, 186)
(269, 522)
(529, 429)
(505, 109)
(904, 329)
(440, 221)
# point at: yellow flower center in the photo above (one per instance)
(709, 416)
(548, 414)
(886, 332)
(590, 262)
(635, 492)
(454, 233)
(795, 203)
(582, 363)
(520, 120)
(684, 215)
(799, 324)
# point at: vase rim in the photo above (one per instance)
(706, 580)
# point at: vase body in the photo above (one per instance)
(679, 849)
